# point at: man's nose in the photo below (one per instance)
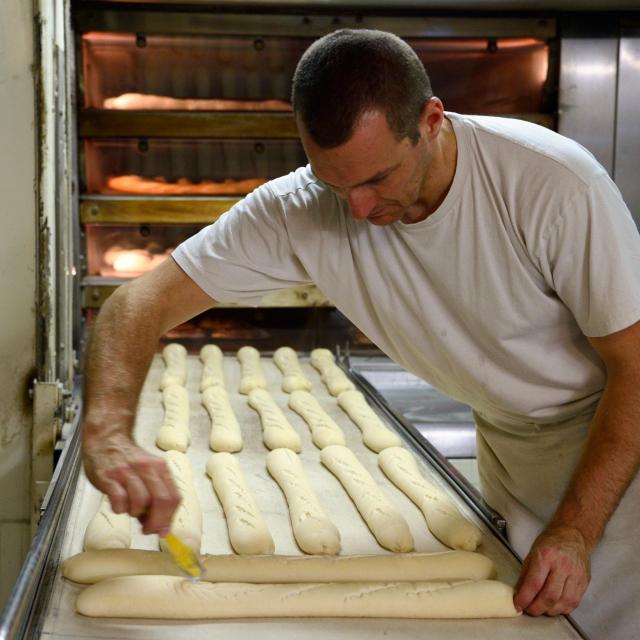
(362, 201)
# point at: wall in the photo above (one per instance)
(17, 281)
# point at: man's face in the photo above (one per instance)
(379, 176)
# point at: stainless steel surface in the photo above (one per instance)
(627, 151)
(587, 101)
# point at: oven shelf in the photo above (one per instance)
(97, 123)
(149, 209)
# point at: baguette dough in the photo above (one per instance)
(276, 430)
(94, 566)
(187, 520)
(174, 433)
(286, 360)
(248, 532)
(213, 367)
(175, 359)
(324, 431)
(252, 376)
(383, 519)
(331, 374)
(313, 531)
(172, 598)
(442, 516)
(107, 530)
(374, 433)
(225, 432)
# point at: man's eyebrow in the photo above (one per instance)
(374, 178)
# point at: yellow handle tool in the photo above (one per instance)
(184, 556)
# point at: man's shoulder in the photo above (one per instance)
(525, 145)
(298, 183)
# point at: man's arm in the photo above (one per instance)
(123, 342)
(555, 574)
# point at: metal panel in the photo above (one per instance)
(627, 152)
(587, 99)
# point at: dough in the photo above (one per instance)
(252, 376)
(175, 359)
(385, 522)
(248, 532)
(442, 516)
(313, 531)
(331, 374)
(276, 430)
(93, 566)
(213, 369)
(187, 520)
(225, 431)
(108, 530)
(174, 433)
(320, 358)
(172, 598)
(374, 432)
(324, 431)
(286, 360)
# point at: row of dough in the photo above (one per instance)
(312, 529)
(225, 432)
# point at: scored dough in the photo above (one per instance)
(313, 531)
(174, 433)
(248, 532)
(173, 598)
(225, 432)
(187, 519)
(324, 431)
(276, 430)
(286, 360)
(175, 359)
(213, 367)
(383, 519)
(442, 516)
(374, 432)
(331, 374)
(107, 530)
(252, 376)
(93, 566)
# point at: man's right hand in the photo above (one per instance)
(136, 481)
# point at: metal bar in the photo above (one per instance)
(96, 123)
(20, 616)
(149, 210)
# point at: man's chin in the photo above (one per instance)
(388, 217)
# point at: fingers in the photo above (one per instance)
(164, 498)
(532, 579)
(550, 596)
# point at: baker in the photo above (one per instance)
(491, 257)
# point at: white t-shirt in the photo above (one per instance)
(489, 299)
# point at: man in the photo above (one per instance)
(493, 258)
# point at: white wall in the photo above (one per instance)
(17, 281)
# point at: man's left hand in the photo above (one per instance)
(555, 574)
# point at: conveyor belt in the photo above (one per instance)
(59, 620)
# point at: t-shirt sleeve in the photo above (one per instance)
(245, 254)
(592, 259)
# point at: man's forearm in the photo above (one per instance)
(609, 463)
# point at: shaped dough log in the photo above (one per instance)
(324, 431)
(94, 566)
(187, 520)
(248, 532)
(313, 531)
(108, 530)
(331, 374)
(374, 433)
(442, 516)
(172, 598)
(252, 376)
(383, 519)
(276, 430)
(225, 431)
(174, 433)
(320, 358)
(286, 360)
(175, 359)
(213, 369)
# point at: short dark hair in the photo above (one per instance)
(348, 72)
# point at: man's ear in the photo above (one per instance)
(431, 118)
